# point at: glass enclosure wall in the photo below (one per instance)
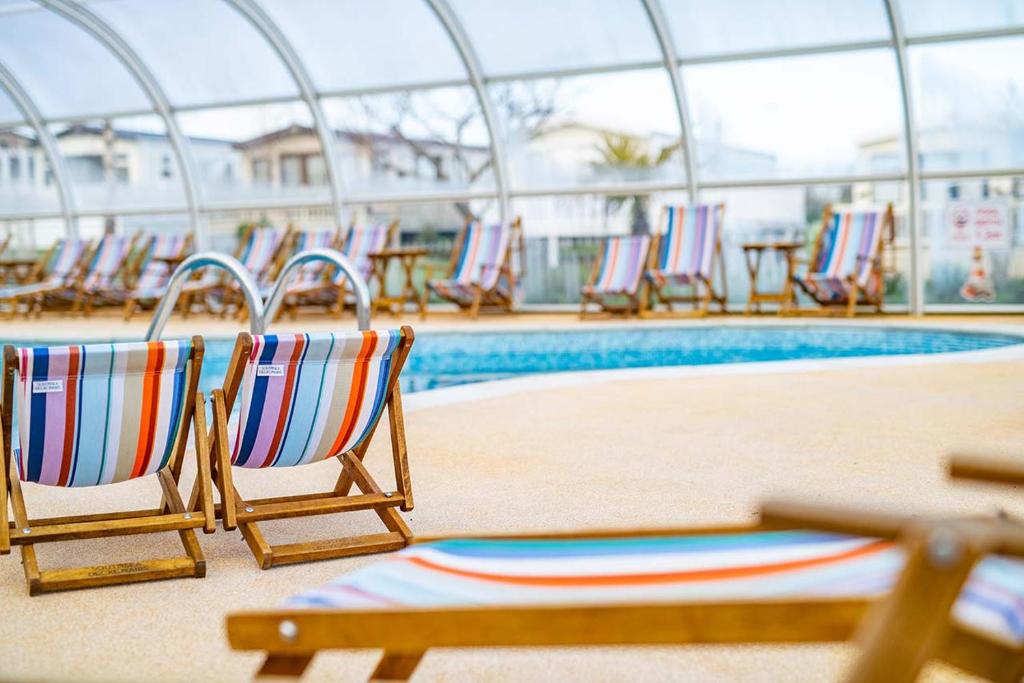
(584, 117)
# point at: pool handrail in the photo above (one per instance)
(360, 288)
(205, 259)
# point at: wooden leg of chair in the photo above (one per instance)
(28, 551)
(5, 530)
(224, 480)
(204, 474)
(396, 666)
(254, 538)
(474, 308)
(906, 630)
(851, 305)
(283, 666)
(129, 308)
(188, 536)
(362, 479)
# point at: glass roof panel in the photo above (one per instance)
(420, 140)
(65, 69)
(540, 35)
(969, 104)
(26, 182)
(215, 55)
(590, 130)
(707, 27)
(120, 164)
(348, 44)
(9, 112)
(757, 119)
(924, 17)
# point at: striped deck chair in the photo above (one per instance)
(306, 398)
(616, 275)
(153, 272)
(905, 600)
(100, 414)
(63, 265)
(359, 243)
(482, 271)
(260, 252)
(687, 252)
(846, 265)
(106, 267)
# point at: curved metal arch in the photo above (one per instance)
(82, 16)
(668, 52)
(34, 118)
(256, 16)
(899, 42)
(453, 27)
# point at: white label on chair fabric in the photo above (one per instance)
(270, 371)
(47, 386)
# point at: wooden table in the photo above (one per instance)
(380, 260)
(17, 269)
(753, 253)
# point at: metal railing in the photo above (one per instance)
(360, 289)
(250, 290)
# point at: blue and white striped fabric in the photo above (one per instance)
(771, 565)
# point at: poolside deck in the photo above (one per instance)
(626, 453)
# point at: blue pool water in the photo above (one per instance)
(448, 359)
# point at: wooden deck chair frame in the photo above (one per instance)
(702, 291)
(83, 301)
(856, 296)
(327, 293)
(34, 299)
(132, 302)
(484, 297)
(634, 303)
(170, 515)
(898, 634)
(233, 294)
(36, 274)
(222, 283)
(235, 511)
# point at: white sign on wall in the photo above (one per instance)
(978, 224)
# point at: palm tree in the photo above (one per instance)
(621, 151)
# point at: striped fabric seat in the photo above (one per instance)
(359, 244)
(257, 256)
(847, 252)
(315, 239)
(61, 268)
(776, 565)
(622, 263)
(106, 262)
(155, 270)
(479, 262)
(308, 397)
(99, 413)
(687, 246)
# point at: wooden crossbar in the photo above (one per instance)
(318, 506)
(147, 524)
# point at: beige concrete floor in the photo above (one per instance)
(621, 454)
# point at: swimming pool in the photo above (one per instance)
(442, 359)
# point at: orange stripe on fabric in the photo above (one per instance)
(70, 405)
(662, 577)
(844, 233)
(613, 257)
(150, 401)
(469, 265)
(286, 400)
(355, 396)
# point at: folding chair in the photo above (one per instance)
(846, 265)
(149, 281)
(260, 252)
(106, 266)
(329, 290)
(687, 252)
(99, 414)
(780, 583)
(616, 276)
(59, 267)
(306, 398)
(483, 270)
